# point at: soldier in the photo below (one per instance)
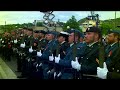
(18, 57)
(81, 37)
(42, 40)
(61, 50)
(8, 47)
(111, 65)
(28, 39)
(71, 52)
(113, 45)
(25, 51)
(48, 51)
(86, 63)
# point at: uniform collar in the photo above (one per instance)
(50, 41)
(91, 44)
(71, 44)
(29, 36)
(62, 42)
(113, 44)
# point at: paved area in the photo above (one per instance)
(5, 71)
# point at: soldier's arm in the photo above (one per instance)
(66, 62)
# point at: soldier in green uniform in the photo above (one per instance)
(18, 55)
(8, 46)
(86, 63)
(113, 45)
(111, 69)
(24, 52)
(42, 40)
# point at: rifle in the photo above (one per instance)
(31, 39)
(75, 54)
(101, 53)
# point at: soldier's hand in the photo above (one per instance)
(39, 53)
(51, 58)
(15, 41)
(22, 45)
(30, 50)
(57, 59)
(2, 41)
(75, 64)
(102, 72)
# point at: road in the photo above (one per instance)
(7, 69)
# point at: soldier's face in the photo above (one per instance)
(61, 39)
(49, 37)
(110, 38)
(71, 38)
(35, 35)
(40, 35)
(25, 31)
(89, 37)
(29, 33)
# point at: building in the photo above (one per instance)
(57, 28)
(86, 24)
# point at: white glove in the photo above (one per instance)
(102, 72)
(2, 41)
(51, 58)
(39, 54)
(22, 45)
(30, 49)
(57, 59)
(75, 64)
(15, 41)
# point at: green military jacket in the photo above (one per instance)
(114, 68)
(110, 52)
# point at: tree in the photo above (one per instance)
(72, 23)
(105, 27)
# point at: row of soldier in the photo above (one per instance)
(65, 55)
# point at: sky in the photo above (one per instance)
(15, 17)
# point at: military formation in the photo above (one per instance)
(62, 55)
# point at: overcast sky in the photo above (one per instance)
(14, 17)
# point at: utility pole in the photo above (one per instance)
(5, 26)
(115, 19)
